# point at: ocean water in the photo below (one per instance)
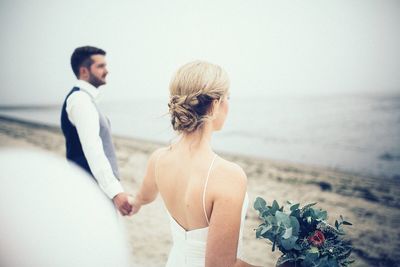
(356, 133)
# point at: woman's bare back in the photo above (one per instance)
(181, 178)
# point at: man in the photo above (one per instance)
(87, 132)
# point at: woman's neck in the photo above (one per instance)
(198, 141)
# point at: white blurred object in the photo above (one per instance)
(54, 214)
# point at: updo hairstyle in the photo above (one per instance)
(193, 89)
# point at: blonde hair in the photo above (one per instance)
(192, 90)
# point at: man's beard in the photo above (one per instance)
(96, 82)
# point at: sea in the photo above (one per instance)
(353, 133)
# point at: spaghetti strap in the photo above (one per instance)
(205, 187)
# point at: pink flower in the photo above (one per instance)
(317, 238)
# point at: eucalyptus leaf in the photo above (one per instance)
(295, 207)
(288, 233)
(271, 220)
(311, 259)
(258, 232)
(297, 247)
(283, 218)
(260, 204)
(308, 206)
(265, 229)
(275, 207)
(332, 263)
(289, 243)
(295, 213)
(320, 215)
(295, 225)
(284, 259)
(265, 213)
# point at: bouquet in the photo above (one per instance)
(303, 235)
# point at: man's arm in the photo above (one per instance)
(84, 116)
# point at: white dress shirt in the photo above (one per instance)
(83, 114)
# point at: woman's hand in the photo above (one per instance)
(135, 204)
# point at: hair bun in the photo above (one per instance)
(183, 116)
(192, 89)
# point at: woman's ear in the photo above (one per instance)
(215, 108)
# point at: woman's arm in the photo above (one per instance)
(148, 190)
(228, 193)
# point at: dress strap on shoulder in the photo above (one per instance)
(205, 187)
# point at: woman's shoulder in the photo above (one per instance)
(160, 150)
(230, 168)
(155, 155)
(230, 174)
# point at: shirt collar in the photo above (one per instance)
(90, 89)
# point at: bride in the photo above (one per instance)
(204, 194)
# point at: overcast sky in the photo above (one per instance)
(267, 47)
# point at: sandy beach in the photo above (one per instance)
(370, 203)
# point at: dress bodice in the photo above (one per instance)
(189, 247)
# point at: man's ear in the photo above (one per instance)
(83, 72)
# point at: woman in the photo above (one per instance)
(205, 195)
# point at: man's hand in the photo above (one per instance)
(121, 201)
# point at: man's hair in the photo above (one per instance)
(82, 57)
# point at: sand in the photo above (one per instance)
(370, 203)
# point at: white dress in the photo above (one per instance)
(189, 247)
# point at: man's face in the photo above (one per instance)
(98, 71)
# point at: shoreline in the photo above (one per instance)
(277, 162)
(286, 166)
(371, 205)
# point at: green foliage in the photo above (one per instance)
(303, 234)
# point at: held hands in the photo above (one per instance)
(126, 204)
(122, 202)
(135, 204)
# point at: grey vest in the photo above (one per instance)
(73, 145)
